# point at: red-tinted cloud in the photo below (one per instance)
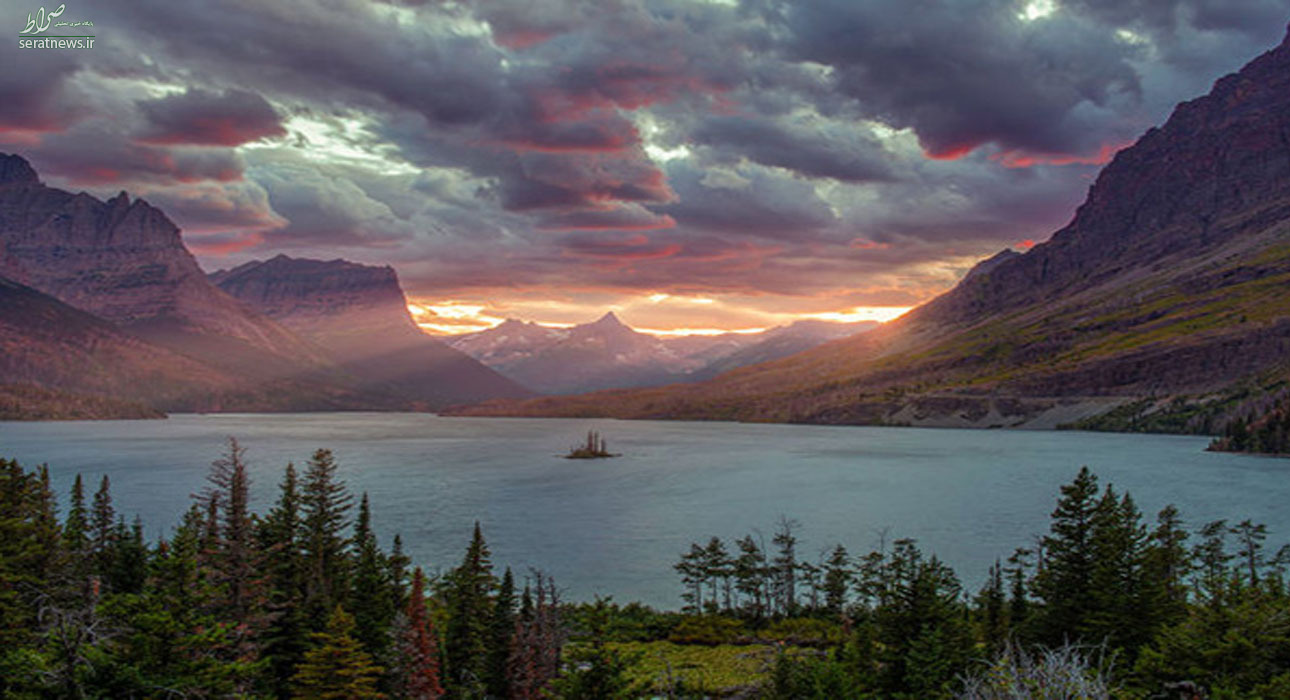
(1023, 159)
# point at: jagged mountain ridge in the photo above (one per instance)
(125, 261)
(357, 316)
(609, 354)
(1164, 297)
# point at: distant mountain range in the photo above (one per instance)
(105, 313)
(1162, 306)
(609, 354)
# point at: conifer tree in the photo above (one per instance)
(466, 637)
(1065, 581)
(749, 571)
(501, 636)
(371, 595)
(837, 580)
(785, 567)
(278, 538)
(24, 553)
(992, 604)
(102, 526)
(417, 672)
(337, 668)
(76, 540)
(1167, 566)
(324, 508)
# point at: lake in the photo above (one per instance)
(617, 526)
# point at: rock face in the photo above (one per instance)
(124, 261)
(358, 316)
(1218, 168)
(1161, 306)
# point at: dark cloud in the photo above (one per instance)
(776, 147)
(851, 156)
(97, 153)
(963, 74)
(34, 95)
(206, 118)
(750, 201)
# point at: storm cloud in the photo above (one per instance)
(800, 152)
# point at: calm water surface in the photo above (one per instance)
(617, 526)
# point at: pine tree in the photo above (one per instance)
(785, 567)
(371, 595)
(469, 599)
(992, 602)
(501, 636)
(1065, 581)
(337, 668)
(324, 505)
(750, 576)
(1167, 566)
(417, 673)
(102, 527)
(24, 551)
(278, 539)
(837, 580)
(1250, 537)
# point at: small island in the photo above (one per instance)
(594, 448)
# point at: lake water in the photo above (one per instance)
(617, 526)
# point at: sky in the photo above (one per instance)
(689, 164)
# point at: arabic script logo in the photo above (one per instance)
(42, 20)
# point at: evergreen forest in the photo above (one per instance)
(302, 601)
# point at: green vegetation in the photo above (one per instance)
(302, 602)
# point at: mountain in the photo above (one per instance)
(124, 261)
(1161, 306)
(609, 354)
(358, 317)
(598, 355)
(781, 342)
(57, 361)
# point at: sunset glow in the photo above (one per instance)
(696, 166)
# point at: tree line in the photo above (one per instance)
(1149, 605)
(302, 601)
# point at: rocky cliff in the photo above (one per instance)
(358, 316)
(124, 261)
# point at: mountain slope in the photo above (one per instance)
(1162, 304)
(358, 317)
(125, 262)
(57, 361)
